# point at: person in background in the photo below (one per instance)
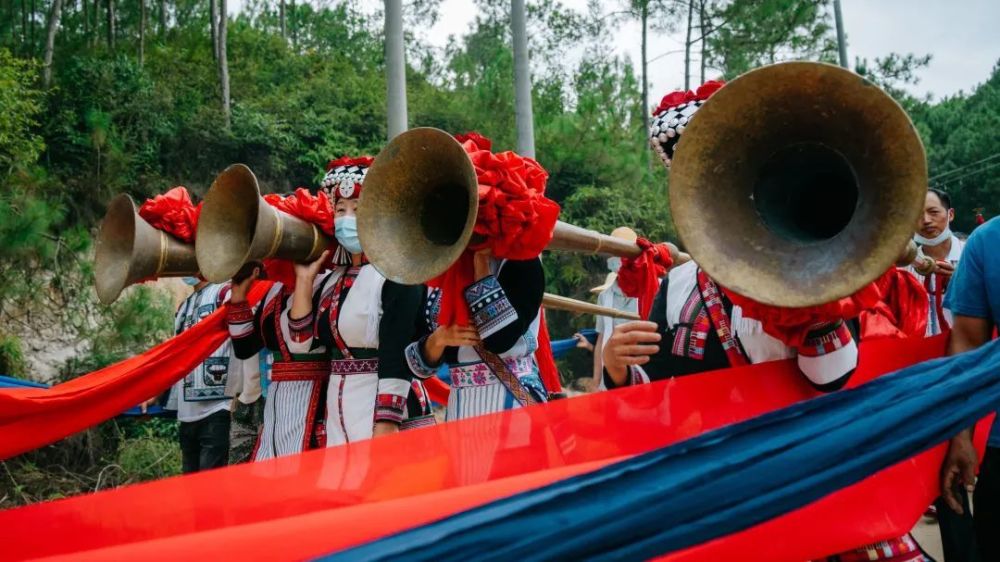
(974, 301)
(609, 295)
(936, 241)
(203, 408)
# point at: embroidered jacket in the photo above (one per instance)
(505, 310)
(264, 327)
(691, 341)
(358, 313)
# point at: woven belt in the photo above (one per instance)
(299, 370)
(353, 366)
(479, 373)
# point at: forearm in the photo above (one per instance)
(302, 298)
(598, 358)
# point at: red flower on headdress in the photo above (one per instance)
(173, 213)
(350, 161)
(673, 99)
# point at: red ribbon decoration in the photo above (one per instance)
(792, 325)
(639, 277)
(33, 417)
(373, 488)
(673, 99)
(902, 310)
(173, 213)
(547, 369)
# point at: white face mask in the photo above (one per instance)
(614, 264)
(939, 239)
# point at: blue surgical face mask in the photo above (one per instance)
(614, 264)
(192, 281)
(346, 231)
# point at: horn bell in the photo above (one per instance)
(797, 184)
(418, 206)
(130, 250)
(237, 225)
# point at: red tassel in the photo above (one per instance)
(639, 277)
(547, 369)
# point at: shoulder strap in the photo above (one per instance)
(713, 303)
(509, 379)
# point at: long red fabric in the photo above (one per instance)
(310, 504)
(33, 417)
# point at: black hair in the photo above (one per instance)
(942, 196)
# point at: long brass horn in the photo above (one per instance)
(797, 183)
(419, 203)
(129, 250)
(559, 302)
(236, 226)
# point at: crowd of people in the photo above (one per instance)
(348, 351)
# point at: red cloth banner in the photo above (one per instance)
(285, 508)
(33, 417)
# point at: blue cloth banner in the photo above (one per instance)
(720, 482)
(11, 382)
(562, 347)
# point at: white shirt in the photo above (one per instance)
(934, 325)
(613, 297)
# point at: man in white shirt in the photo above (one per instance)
(936, 241)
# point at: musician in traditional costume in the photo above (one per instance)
(364, 321)
(695, 326)
(492, 361)
(292, 420)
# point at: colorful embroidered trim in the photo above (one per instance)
(716, 311)
(692, 329)
(829, 342)
(509, 380)
(480, 374)
(300, 330)
(418, 422)
(490, 308)
(353, 366)
(415, 360)
(239, 313)
(299, 370)
(389, 407)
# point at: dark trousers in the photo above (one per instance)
(205, 443)
(958, 532)
(987, 505)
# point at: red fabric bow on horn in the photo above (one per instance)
(515, 219)
(639, 277)
(173, 213)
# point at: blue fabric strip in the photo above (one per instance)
(720, 482)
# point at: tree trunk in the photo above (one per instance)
(223, 63)
(523, 117)
(111, 24)
(295, 29)
(395, 67)
(281, 17)
(213, 16)
(687, 47)
(643, 19)
(142, 32)
(50, 42)
(163, 18)
(24, 24)
(704, 37)
(34, 10)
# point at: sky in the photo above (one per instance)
(961, 35)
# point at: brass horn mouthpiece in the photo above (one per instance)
(237, 225)
(130, 250)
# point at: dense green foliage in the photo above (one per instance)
(112, 123)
